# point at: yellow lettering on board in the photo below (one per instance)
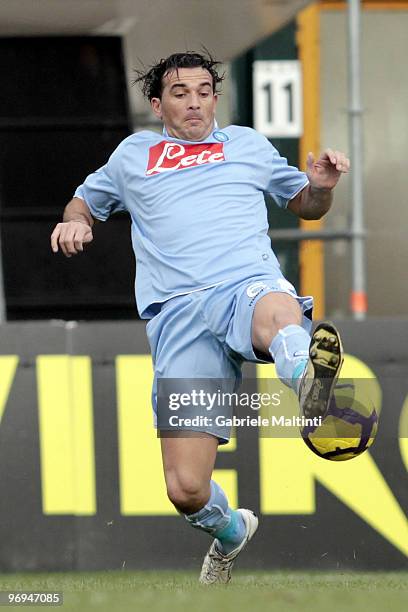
(232, 444)
(288, 471)
(66, 434)
(8, 366)
(142, 485)
(403, 432)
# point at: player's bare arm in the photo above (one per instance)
(314, 201)
(75, 230)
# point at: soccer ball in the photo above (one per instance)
(350, 425)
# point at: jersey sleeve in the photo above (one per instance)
(101, 190)
(283, 182)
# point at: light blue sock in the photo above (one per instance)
(232, 535)
(290, 352)
(218, 519)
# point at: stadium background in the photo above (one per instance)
(74, 397)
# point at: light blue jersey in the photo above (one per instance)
(197, 208)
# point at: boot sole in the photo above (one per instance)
(322, 372)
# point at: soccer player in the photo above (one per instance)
(207, 278)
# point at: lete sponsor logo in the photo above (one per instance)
(167, 156)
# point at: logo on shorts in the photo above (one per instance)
(167, 156)
(253, 290)
(285, 285)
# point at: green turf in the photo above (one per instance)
(255, 591)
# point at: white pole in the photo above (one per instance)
(358, 298)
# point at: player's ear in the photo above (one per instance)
(155, 103)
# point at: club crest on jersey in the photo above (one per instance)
(220, 136)
(167, 156)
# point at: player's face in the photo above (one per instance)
(187, 105)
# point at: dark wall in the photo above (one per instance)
(63, 110)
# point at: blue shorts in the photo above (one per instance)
(207, 333)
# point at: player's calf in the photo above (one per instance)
(231, 530)
(217, 566)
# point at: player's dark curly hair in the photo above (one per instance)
(151, 81)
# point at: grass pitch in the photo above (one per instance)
(257, 591)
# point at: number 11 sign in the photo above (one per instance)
(277, 91)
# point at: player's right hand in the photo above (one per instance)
(71, 237)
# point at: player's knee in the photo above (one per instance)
(186, 492)
(265, 329)
(272, 313)
(282, 317)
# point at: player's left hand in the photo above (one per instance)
(324, 173)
